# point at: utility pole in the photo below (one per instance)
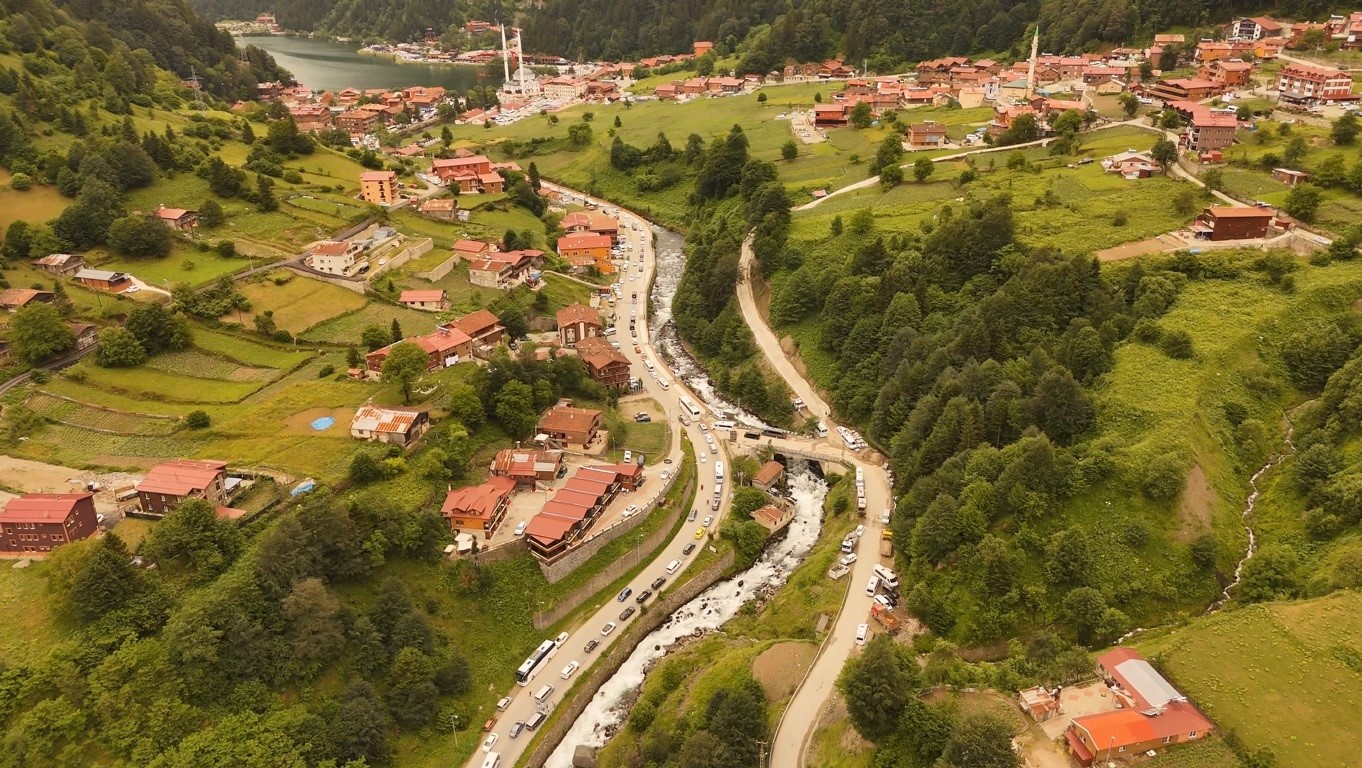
(761, 754)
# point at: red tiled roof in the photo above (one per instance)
(578, 313)
(445, 339)
(330, 248)
(479, 501)
(768, 473)
(181, 477)
(471, 246)
(477, 322)
(568, 419)
(372, 418)
(378, 176)
(598, 353)
(41, 507)
(422, 297)
(170, 214)
(1123, 727)
(548, 528)
(583, 240)
(1232, 212)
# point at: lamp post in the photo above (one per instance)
(1110, 744)
(454, 726)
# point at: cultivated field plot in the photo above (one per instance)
(1296, 661)
(81, 415)
(73, 446)
(298, 304)
(248, 352)
(347, 328)
(195, 363)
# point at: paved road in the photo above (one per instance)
(801, 716)
(522, 704)
(55, 365)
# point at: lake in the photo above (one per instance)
(323, 65)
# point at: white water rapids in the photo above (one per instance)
(709, 611)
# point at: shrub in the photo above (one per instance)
(1120, 219)
(20, 181)
(326, 370)
(1164, 477)
(197, 420)
(1176, 344)
(1147, 330)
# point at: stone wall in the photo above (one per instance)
(413, 250)
(615, 570)
(502, 552)
(357, 286)
(650, 620)
(440, 270)
(579, 555)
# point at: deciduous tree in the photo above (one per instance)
(39, 333)
(405, 363)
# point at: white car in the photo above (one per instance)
(709, 438)
(713, 448)
(491, 742)
(503, 704)
(704, 427)
(708, 519)
(884, 601)
(569, 669)
(848, 559)
(608, 628)
(704, 459)
(630, 510)
(520, 529)
(628, 456)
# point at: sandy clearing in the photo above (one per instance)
(780, 668)
(301, 423)
(1194, 506)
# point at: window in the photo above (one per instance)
(1167, 739)
(1122, 748)
(1192, 735)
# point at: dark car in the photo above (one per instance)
(590, 646)
(773, 432)
(689, 549)
(751, 435)
(626, 613)
(516, 729)
(643, 596)
(642, 417)
(657, 584)
(624, 594)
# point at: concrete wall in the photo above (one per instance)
(650, 620)
(441, 269)
(357, 286)
(414, 249)
(610, 573)
(574, 559)
(502, 552)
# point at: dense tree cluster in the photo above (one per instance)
(366, 19)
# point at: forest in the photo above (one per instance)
(393, 20)
(882, 34)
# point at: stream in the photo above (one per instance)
(671, 263)
(707, 612)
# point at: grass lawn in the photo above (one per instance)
(829, 747)
(346, 328)
(299, 303)
(1295, 660)
(650, 439)
(1207, 753)
(144, 381)
(185, 264)
(132, 530)
(248, 352)
(28, 631)
(34, 205)
(82, 415)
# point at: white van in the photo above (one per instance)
(861, 631)
(673, 565)
(648, 363)
(560, 639)
(728, 425)
(873, 586)
(821, 430)
(665, 384)
(887, 577)
(543, 693)
(492, 760)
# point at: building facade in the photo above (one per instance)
(37, 523)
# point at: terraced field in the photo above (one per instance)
(78, 414)
(347, 328)
(202, 365)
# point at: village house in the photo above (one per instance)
(605, 364)
(577, 322)
(468, 250)
(395, 426)
(1185, 89)
(505, 270)
(35, 523)
(116, 282)
(14, 299)
(471, 174)
(434, 299)
(769, 476)
(1255, 28)
(378, 187)
(588, 245)
(334, 257)
(592, 223)
(1153, 714)
(310, 117)
(528, 466)
(563, 426)
(166, 485)
(1094, 74)
(701, 47)
(444, 347)
(177, 219)
(479, 508)
(1218, 222)
(442, 208)
(563, 88)
(62, 264)
(1039, 702)
(928, 135)
(666, 92)
(1209, 130)
(1289, 177)
(773, 517)
(1298, 83)
(1230, 73)
(834, 68)
(86, 335)
(830, 115)
(357, 122)
(483, 327)
(1131, 164)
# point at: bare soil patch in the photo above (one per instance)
(300, 423)
(1133, 250)
(35, 476)
(780, 668)
(1194, 507)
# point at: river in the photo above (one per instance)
(708, 612)
(323, 65)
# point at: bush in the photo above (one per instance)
(20, 181)
(326, 370)
(197, 420)
(1176, 344)
(1120, 219)
(1164, 477)
(1147, 330)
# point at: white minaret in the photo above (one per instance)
(1031, 70)
(520, 62)
(505, 55)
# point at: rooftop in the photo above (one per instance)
(477, 322)
(479, 501)
(1233, 212)
(422, 296)
(181, 477)
(578, 313)
(378, 176)
(372, 418)
(768, 473)
(41, 507)
(568, 419)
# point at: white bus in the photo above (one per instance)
(690, 407)
(493, 760)
(531, 666)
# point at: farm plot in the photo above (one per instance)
(145, 382)
(299, 303)
(248, 352)
(73, 446)
(347, 328)
(100, 419)
(192, 362)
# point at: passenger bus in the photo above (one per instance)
(690, 407)
(531, 666)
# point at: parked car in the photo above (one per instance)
(848, 559)
(608, 628)
(707, 521)
(689, 548)
(626, 613)
(624, 594)
(491, 742)
(643, 596)
(504, 703)
(628, 456)
(516, 728)
(520, 529)
(692, 516)
(658, 582)
(569, 669)
(699, 533)
(642, 418)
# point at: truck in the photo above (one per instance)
(885, 617)
(887, 544)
